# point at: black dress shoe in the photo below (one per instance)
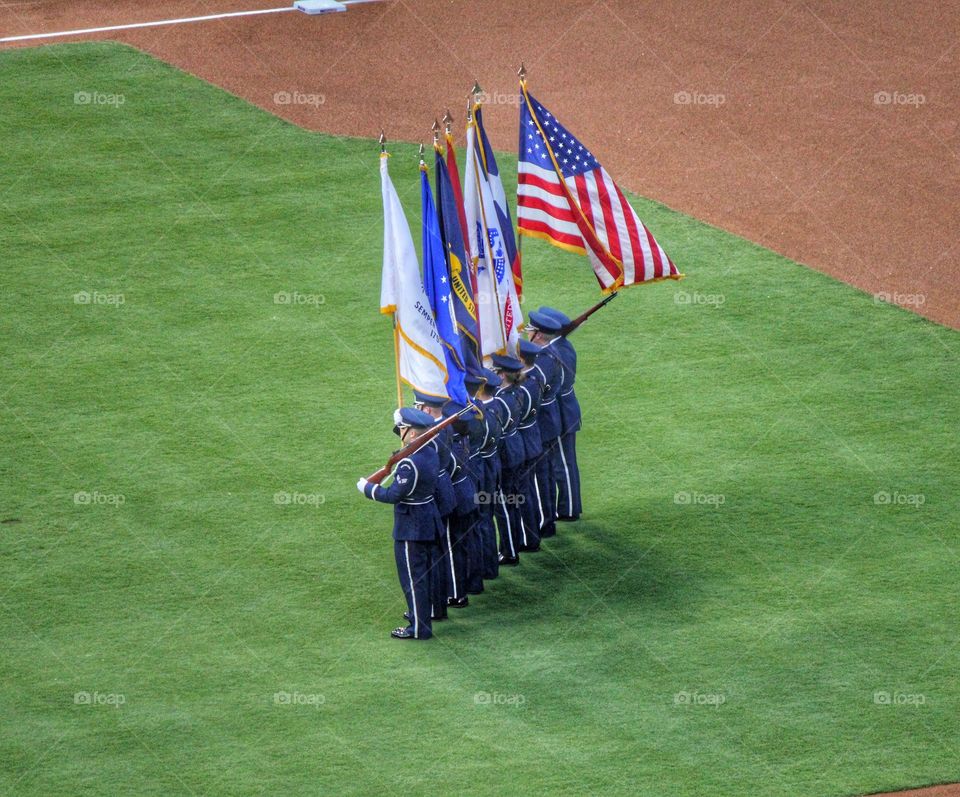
(508, 561)
(548, 531)
(402, 633)
(568, 518)
(458, 603)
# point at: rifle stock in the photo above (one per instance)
(584, 316)
(413, 446)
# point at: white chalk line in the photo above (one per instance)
(157, 23)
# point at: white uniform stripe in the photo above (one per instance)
(413, 595)
(453, 570)
(506, 515)
(566, 472)
(536, 487)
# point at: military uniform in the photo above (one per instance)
(531, 387)
(446, 504)
(489, 482)
(568, 472)
(512, 456)
(548, 365)
(416, 525)
(463, 519)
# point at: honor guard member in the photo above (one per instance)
(548, 364)
(446, 497)
(512, 456)
(416, 521)
(464, 516)
(568, 478)
(476, 423)
(531, 387)
(493, 414)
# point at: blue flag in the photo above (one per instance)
(464, 302)
(436, 283)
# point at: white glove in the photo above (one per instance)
(362, 485)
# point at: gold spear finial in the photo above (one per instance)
(383, 142)
(436, 132)
(522, 73)
(476, 91)
(448, 122)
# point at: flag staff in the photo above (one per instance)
(491, 268)
(522, 74)
(396, 329)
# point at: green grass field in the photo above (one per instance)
(730, 645)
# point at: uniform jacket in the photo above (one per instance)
(531, 390)
(415, 515)
(551, 371)
(512, 451)
(569, 406)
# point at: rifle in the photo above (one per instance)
(414, 445)
(566, 330)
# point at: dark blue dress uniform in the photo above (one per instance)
(548, 365)
(474, 433)
(463, 520)
(568, 473)
(446, 504)
(512, 457)
(489, 482)
(416, 526)
(532, 389)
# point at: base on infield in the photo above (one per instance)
(319, 6)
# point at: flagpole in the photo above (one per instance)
(491, 269)
(522, 74)
(396, 356)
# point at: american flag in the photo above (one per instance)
(565, 196)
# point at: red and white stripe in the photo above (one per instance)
(592, 201)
